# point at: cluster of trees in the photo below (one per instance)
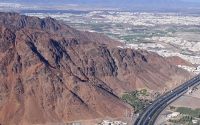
(182, 120)
(172, 107)
(189, 111)
(143, 92)
(133, 99)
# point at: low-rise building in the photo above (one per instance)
(194, 121)
(109, 122)
(173, 115)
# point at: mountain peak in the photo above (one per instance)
(52, 73)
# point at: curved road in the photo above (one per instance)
(150, 113)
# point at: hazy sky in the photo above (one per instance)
(192, 1)
(198, 1)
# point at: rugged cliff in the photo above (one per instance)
(51, 73)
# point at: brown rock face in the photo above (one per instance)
(175, 60)
(51, 73)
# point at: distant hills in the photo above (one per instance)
(102, 2)
(115, 3)
(95, 1)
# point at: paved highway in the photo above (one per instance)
(150, 113)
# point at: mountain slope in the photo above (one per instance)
(51, 73)
(15, 22)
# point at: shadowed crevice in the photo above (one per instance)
(34, 49)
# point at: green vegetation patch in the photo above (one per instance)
(119, 26)
(183, 120)
(137, 99)
(96, 25)
(192, 30)
(143, 92)
(112, 34)
(189, 111)
(172, 107)
(172, 30)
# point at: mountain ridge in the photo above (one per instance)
(52, 73)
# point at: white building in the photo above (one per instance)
(109, 122)
(173, 115)
(194, 121)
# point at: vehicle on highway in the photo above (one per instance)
(153, 110)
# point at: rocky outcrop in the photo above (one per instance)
(175, 60)
(51, 73)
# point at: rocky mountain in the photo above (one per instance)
(175, 60)
(51, 73)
